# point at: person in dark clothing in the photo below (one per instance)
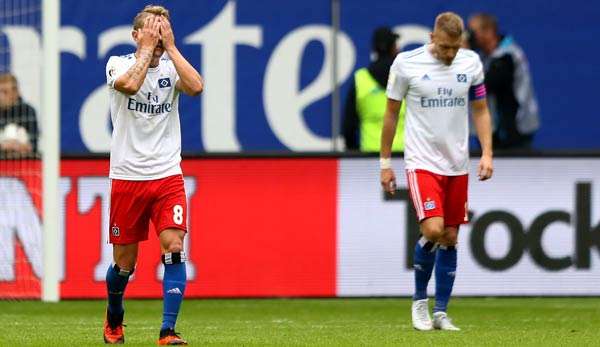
(365, 102)
(18, 121)
(508, 83)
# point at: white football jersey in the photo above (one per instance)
(437, 107)
(146, 137)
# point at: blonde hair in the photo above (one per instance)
(138, 21)
(450, 23)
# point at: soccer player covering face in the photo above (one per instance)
(146, 178)
(438, 82)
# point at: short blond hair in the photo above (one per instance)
(450, 23)
(138, 21)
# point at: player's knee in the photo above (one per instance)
(433, 232)
(171, 240)
(449, 239)
(174, 246)
(126, 261)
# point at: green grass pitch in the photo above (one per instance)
(311, 322)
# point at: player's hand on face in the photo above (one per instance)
(149, 34)
(486, 168)
(388, 180)
(166, 33)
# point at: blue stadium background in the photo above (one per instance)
(558, 37)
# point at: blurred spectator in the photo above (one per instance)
(508, 83)
(366, 100)
(18, 123)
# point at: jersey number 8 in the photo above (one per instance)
(177, 214)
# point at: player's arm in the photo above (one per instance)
(190, 82)
(390, 122)
(131, 81)
(397, 88)
(483, 125)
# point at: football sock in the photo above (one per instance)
(173, 287)
(445, 272)
(424, 259)
(116, 281)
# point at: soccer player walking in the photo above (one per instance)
(146, 178)
(438, 82)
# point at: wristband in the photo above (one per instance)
(385, 163)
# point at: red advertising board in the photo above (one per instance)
(20, 210)
(258, 227)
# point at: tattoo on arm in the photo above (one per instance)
(138, 71)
